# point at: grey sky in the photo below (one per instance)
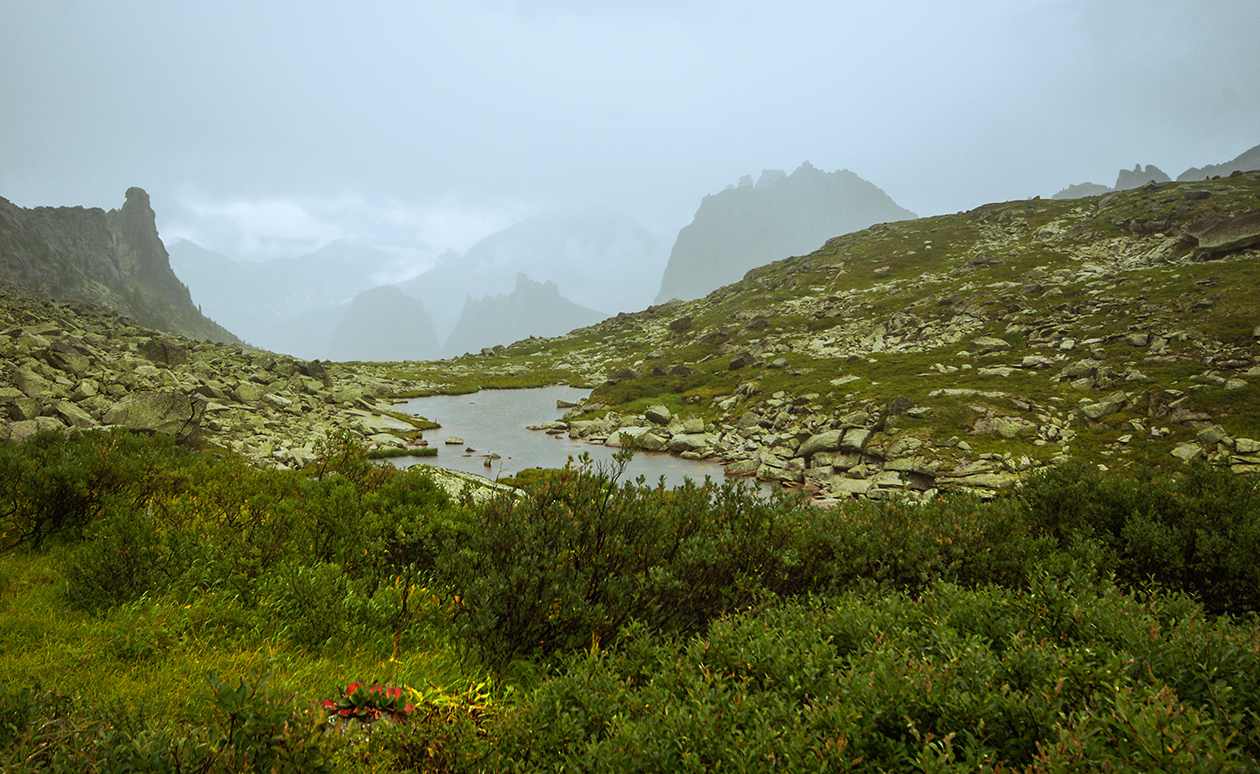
(269, 127)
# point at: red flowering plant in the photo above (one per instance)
(359, 702)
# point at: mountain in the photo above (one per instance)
(598, 259)
(1081, 190)
(1133, 178)
(384, 324)
(954, 352)
(601, 260)
(287, 305)
(750, 225)
(531, 309)
(1128, 179)
(1247, 161)
(113, 259)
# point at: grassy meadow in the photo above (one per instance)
(171, 610)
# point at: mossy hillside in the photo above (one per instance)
(899, 306)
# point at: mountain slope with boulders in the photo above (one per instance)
(114, 259)
(953, 352)
(70, 366)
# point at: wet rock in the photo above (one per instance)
(167, 413)
(988, 345)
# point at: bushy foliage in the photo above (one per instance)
(54, 484)
(317, 550)
(581, 556)
(1049, 679)
(1075, 624)
(1199, 532)
(252, 731)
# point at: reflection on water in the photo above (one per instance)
(494, 421)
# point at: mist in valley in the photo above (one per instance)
(414, 181)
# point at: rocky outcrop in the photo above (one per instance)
(750, 225)
(1215, 235)
(1247, 161)
(1138, 177)
(69, 365)
(113, 259)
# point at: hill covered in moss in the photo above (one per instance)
(958, 351)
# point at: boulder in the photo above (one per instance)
(1005, 427)
(695, 442)
(1109, 405)
(681, 324)
(657, 414)
(159, 350)
(822, 442)
(840, 486)
(855, 439)
(988, 345)
(167, 413)
(1214, 234)
(1187, 451)
(33, 385)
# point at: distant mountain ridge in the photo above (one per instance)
(1128, 179)
(579, 266)
(597, 259)
(749, 225)
(531, 309)
(114, 259)
(267, 302)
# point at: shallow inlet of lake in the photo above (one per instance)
(494, 422)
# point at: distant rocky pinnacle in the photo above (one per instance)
(114, 259)
(750, 225)
(1128, 179)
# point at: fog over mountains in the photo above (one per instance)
(548, 274)
(543, 276)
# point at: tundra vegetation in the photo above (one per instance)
(173, 610)
(1036, 424)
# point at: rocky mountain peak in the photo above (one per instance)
(114, 259)
(750, 225)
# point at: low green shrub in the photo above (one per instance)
(1198, 532)
(53, 484)
(581, 556)
(1053, 678)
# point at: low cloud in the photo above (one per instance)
(281, 227)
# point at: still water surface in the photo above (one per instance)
(494, 421)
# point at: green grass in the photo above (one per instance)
(151, 658)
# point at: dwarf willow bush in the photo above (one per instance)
(1062, 676)
(581, 556)
(1081, 622)
(1198, 532)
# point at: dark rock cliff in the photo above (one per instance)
(115, 259)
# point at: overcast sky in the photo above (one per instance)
(266, 128)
